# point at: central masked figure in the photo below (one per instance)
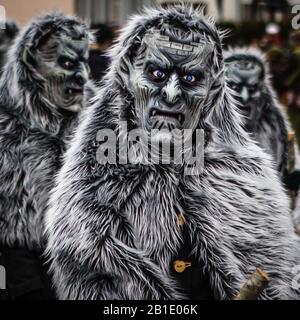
(150, 231)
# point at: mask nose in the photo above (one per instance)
(82, 74)
(245, 95)
(80, 79)
(171, 92)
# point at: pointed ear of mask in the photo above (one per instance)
(28, 57)
(38, 38)
(124, 69)
(126, 51)
(134, 57)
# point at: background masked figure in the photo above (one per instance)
(135, 231)
(262, 115)
(7, 36)
(41, 93)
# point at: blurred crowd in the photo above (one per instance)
(283, 56)
(284, 61)
(98, 59)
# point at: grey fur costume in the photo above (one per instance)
(113, 231)
(271, 126)
(33, 135)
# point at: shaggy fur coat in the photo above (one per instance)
(113, 230)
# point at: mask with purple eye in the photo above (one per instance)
(189, 78)
(158, 75)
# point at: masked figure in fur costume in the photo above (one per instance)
(135, 231)
(263, 116)
(41, 93)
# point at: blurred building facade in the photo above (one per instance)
(109, 11)
(117, 11)
(24, 10)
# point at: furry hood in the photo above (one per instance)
(248, 52)
(20, 84)
(227, 121)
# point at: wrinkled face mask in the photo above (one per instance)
(246, 79)
(170, 80)
(63, 62)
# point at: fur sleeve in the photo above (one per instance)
(244, 223)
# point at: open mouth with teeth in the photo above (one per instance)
(246, 110)
(166, 119)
